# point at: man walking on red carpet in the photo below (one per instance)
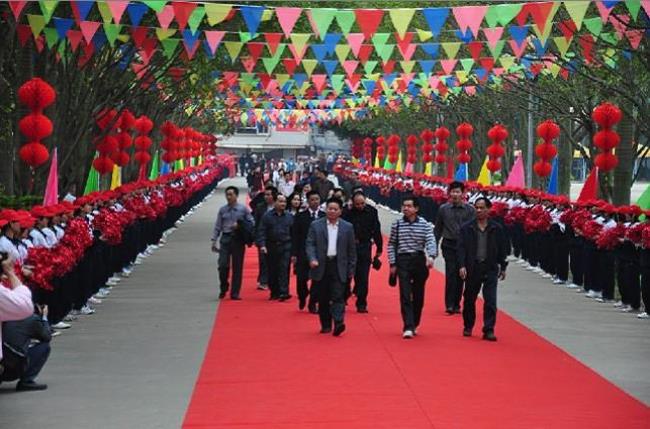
(482, 251)
(331, 251)
(411, 250)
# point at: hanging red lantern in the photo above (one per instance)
(464, 144)
(35, 126)
(546, 151)
(36, 94)
(381, 149)
(427, 148)
(103, 164)
(495, 151)
(606, 115)
(393, 148)
(411, 150)
(34, 154)
(442, 134)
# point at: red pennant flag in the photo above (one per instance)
(88, 29)
(290, 65)
(117, 8)
(249, 63)
(587, 43)
(183, 10)
(138, 34)
(475, 49)
(17, 7)
(273, 40)
(364, 53)
(24, 33)
(540, 12)
(568, 28)
(388, 66)
(590, 188)
(74, 36)
(319, 80)
(255, 49)
(368, 20)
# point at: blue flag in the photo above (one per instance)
(461, 173)
(553, 182)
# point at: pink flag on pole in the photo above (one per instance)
(516, 176)
(52, 188)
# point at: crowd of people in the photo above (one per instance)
(303, 220)
(59, 261)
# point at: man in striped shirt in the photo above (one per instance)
(411, 250)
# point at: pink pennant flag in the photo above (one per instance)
(493, 35)
(88, 29)
(52, 189)
(604, 11)
(117, 8)
(17, 7)
(516, 177)
(355, 40)
(350, 66)
(470, 17)
(635, 37)
(646, 6)
(214, 39)
(287, 17)
(448, 65)
(166, 16)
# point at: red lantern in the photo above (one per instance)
(606, 115)
(495, 151)
(35, 126)
(34, 154)
(546, 151)
(103, 164)
(427, 148)
(464, 132)
(542, 168)
(36, 94)
(442, 134)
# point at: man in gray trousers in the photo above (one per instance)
(331, 251)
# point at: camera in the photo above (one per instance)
(3, 256)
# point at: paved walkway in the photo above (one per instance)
(134, 363)
(616, 345)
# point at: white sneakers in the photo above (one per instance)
(594, 294)
(643, 315)
(94, 300)
(618, 304)
(61, 325)
(408, 334)
(572, 286)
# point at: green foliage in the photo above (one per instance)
(25, 202)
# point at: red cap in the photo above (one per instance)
(40, 211)
(10, 215)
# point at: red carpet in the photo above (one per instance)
(268, 367)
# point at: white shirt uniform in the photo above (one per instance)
(332, 235)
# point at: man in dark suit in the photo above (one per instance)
(299, 256)
(482, 250)
(267, 204)
(331, 251)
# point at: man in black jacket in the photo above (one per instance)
(367, 230)
(482, 251)
(22, 359)
(298, 254)
(267, 204)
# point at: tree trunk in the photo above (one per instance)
(626, 154)
(565, 160)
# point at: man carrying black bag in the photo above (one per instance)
(482, 251)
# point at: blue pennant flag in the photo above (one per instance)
(465, 37)
(389, 78)
(84, 6)
(62, 26)
(165, 168)
(518, 33)
(331, 40)
(436, 18)
(426, 65)
(208, 50)
(320, 51)
(330, 66)
(431, 49)
(99, 39)
(136, 11)
(252, 17)
(461, 173)
(190, 39)
(553, 185)
(540, 49)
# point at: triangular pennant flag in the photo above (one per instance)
(386, 52)
(379, 40)
(157, 5)
(252, 17)
(169, 46)
(448, 65)
(436, 18)
(345, 20)
(196, 18)
(553, 182)
(451, 48)
(350, 66)
(17, 7)
(165, 16)
(401, 19)
(37, 24)
(216, 13)
(88, 29)
(92, 182)
(369, 67)
(493, 35)
(62, 25)
(322, 19)
(117, 8)
(233, 49)
(461, 173)
(644, 199)
(112, 31)
(155, 167)
(163, 34)
(287, 17)
(52, 188)
(368, 20)
(590, 188)
(191, 42)
(273, 40)
(507, 12)
(364, 53)
(423, 35)
(562, 45)
(136, 11)
(484, 174)
(213, 38)
(319, 51)
(48, 7)
(431, 49)
(355, 40)
(577, 10)
(116, 177)
(469, 17)
(51, 37)
(517, 177)
(496, 51)
(182, 11)
(342, 52)
(633, 6)
(309, 66)
(594, 25)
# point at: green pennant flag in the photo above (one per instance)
(337, 81)
(245, 36)
(467, 64)
(451, 49)
(169, 47)
(611, 39)
(345, 19)
(155, 167)
(369, 67)
(386, 52)
(644, 199)
(299, 41)
(562, 45)
(492, 16)
(36, 23)
(157, 5)
(216, 13)
(379, 40)
(342, 52)
(233, 49)
(47, 7)
(271, 63)
(163, 34)
(322, 19)
(195, 18)
(105, 11)
(92, 183)
(407, 66)
(633, 6)
(51, 37)
(506, 61)
(577, 11)
(401, 19)
(112, 31)
(507, 12)
(498, 48)
(309, 66)
(594, 25)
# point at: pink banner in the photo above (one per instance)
(516, 176)
(52, 189)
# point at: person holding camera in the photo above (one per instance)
(482, 250)
(411, 251)
(26, 349)
(232, 232)
(15, 298)
(367, 231)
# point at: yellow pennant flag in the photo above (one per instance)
(484, 174)
(376, 165)
(398, 168)
(427, 169)
(116, 177)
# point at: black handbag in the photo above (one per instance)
(392, 278)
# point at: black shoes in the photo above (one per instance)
(222, 295)
(283, 298)
(489, 336)
(301, 303)
(467, 332)
(27, 386)
(235, 298)
(325, 330)
(312, 308)
(273, 298)
(338, 329)
(362, 310)
(449, 311)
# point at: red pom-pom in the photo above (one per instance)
(495, 151)
(442, 147)
(606, 161)
(34, 154)
(168, 128)
(121, 158)
(124, 140)
(463, 145)
(142, 143)
(108, 144)
(35, 126)
(127, 120)
(441, 159)
(442, 133)
(464, 130)
(36, 94)
(498, 133)
(606, 139)
(380, 140)
(143, 125)
(393, 140)
(607, 115)
(494, 165)
(427, 135)
(464, 158)
(548, 130)
(543, 168)
(103, 165)
(142, 157)
(168, 157)
(411, 140)
(367, 142)
(105, 118)
(546, 151)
